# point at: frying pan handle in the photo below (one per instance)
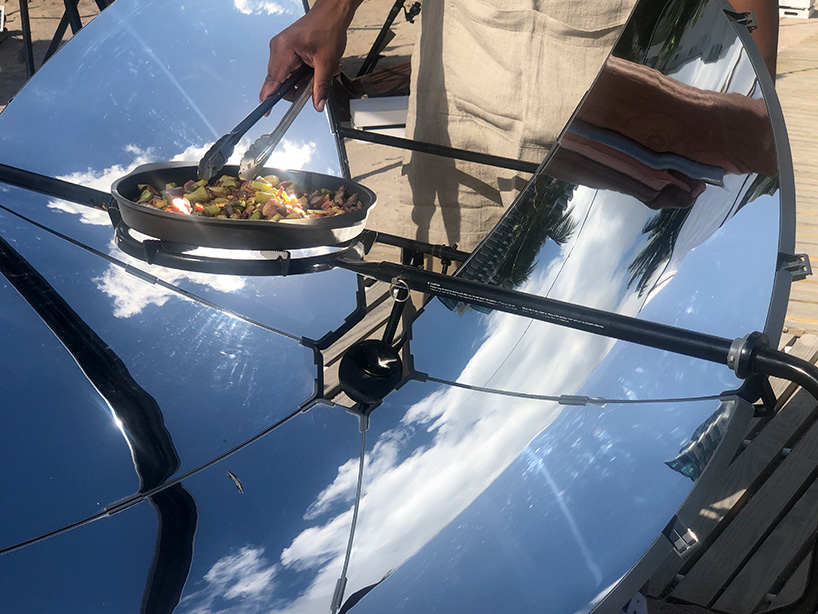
(267, 104)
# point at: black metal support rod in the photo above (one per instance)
(400, 295)
(340, 145)
(661, 336)
(54, 187)
(438, 150)
(27, 48)
(375, 51)
(438, 251)
(57, 38)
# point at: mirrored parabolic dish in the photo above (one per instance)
(179, 440)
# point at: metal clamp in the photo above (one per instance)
(681, 537)
(742, 352)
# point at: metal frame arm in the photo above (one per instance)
(746, 356)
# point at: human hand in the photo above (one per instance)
(318, 39)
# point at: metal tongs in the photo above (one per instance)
(258, 153)
(217, 156)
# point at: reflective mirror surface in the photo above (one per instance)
(181, 441)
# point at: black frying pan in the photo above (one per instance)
(238, 234)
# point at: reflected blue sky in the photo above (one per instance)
(217, 380)
(152, 81)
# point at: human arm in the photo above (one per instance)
(318, 39)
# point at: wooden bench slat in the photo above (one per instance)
(779, 552)
(806, 348)
(794, 587)
(704, 581)
(755, 461)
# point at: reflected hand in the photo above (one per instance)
(318, 39)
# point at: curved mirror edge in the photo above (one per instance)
(787, 221)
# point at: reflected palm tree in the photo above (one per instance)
(663, 231)
(671, 19)
(509, 254)
(762, 185)
(545, 216)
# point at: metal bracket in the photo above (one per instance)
(798, 265)
(743, 18)
(338, 595)
(682, 538)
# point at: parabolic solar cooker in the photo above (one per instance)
(302, 427)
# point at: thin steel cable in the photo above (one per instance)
(338, 597)
(562, 399)
(132, 500)
(147, 277)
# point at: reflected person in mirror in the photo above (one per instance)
(495, 76)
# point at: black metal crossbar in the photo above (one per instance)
(747, 356)
(437, 150)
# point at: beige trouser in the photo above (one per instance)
(495, 76)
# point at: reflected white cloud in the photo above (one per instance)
(266, 7)
(87, 215)
(290, 154)
(342, 489)
(246, 579)
(131, 295)
(100, 180)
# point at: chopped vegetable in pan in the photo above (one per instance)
(265, 198)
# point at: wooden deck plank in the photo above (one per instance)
(780, 552)
(806, 348)
(712, 571)
(804, 313)
(760, 457)
(794, 587)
